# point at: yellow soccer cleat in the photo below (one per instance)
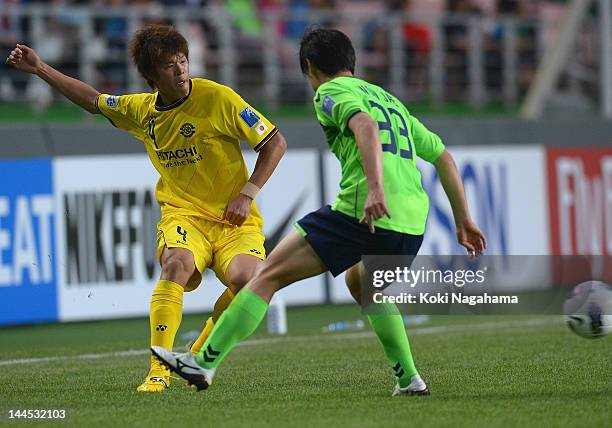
(158, 378)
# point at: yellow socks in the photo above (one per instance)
(166, 313)
(197, 345)
(220, 305)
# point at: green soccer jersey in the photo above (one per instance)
(402, 137)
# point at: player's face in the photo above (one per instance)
(315, 77)
(312, 76)
(173, 78)
(313, 83)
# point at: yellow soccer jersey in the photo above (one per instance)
(194, 144)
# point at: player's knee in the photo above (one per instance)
(266, 281)
(237, 279)
(177, 269)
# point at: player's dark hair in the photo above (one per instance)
(152, 45)
(331, 51)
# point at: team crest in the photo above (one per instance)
(111, 100)
(187, 130)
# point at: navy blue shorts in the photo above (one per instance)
(340, 241)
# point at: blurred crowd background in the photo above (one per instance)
(473, 52)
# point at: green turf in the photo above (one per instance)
(483, 371)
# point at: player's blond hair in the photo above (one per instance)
(152, 45)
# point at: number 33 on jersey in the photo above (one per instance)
(402, 137)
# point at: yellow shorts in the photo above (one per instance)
(212, 244)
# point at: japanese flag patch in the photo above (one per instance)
(261, 128)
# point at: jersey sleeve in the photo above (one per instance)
(239, 120)
(428, 145)
(336, 104)
(122, 112)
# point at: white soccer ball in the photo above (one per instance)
(588, 309)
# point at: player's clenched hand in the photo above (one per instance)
(470, 236)
(237, 210)
(24, 58)
(375, 207)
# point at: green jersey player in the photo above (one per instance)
(403, 138)
(381, 209)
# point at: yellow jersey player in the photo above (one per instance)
(191, 129)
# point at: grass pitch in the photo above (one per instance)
(482, 371)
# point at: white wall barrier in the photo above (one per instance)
(77, 234)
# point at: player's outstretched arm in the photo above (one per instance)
(24, 58)
(368, 140)
(269, 156)
(468, 234)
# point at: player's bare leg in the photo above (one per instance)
(353, 281)
(291, 261)
(240, 270)
(167, 310)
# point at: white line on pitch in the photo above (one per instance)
(461, 328)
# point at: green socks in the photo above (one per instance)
(237, 322)
(247, 311)
(389, 327)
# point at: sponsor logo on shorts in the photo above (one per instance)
(255, 251)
